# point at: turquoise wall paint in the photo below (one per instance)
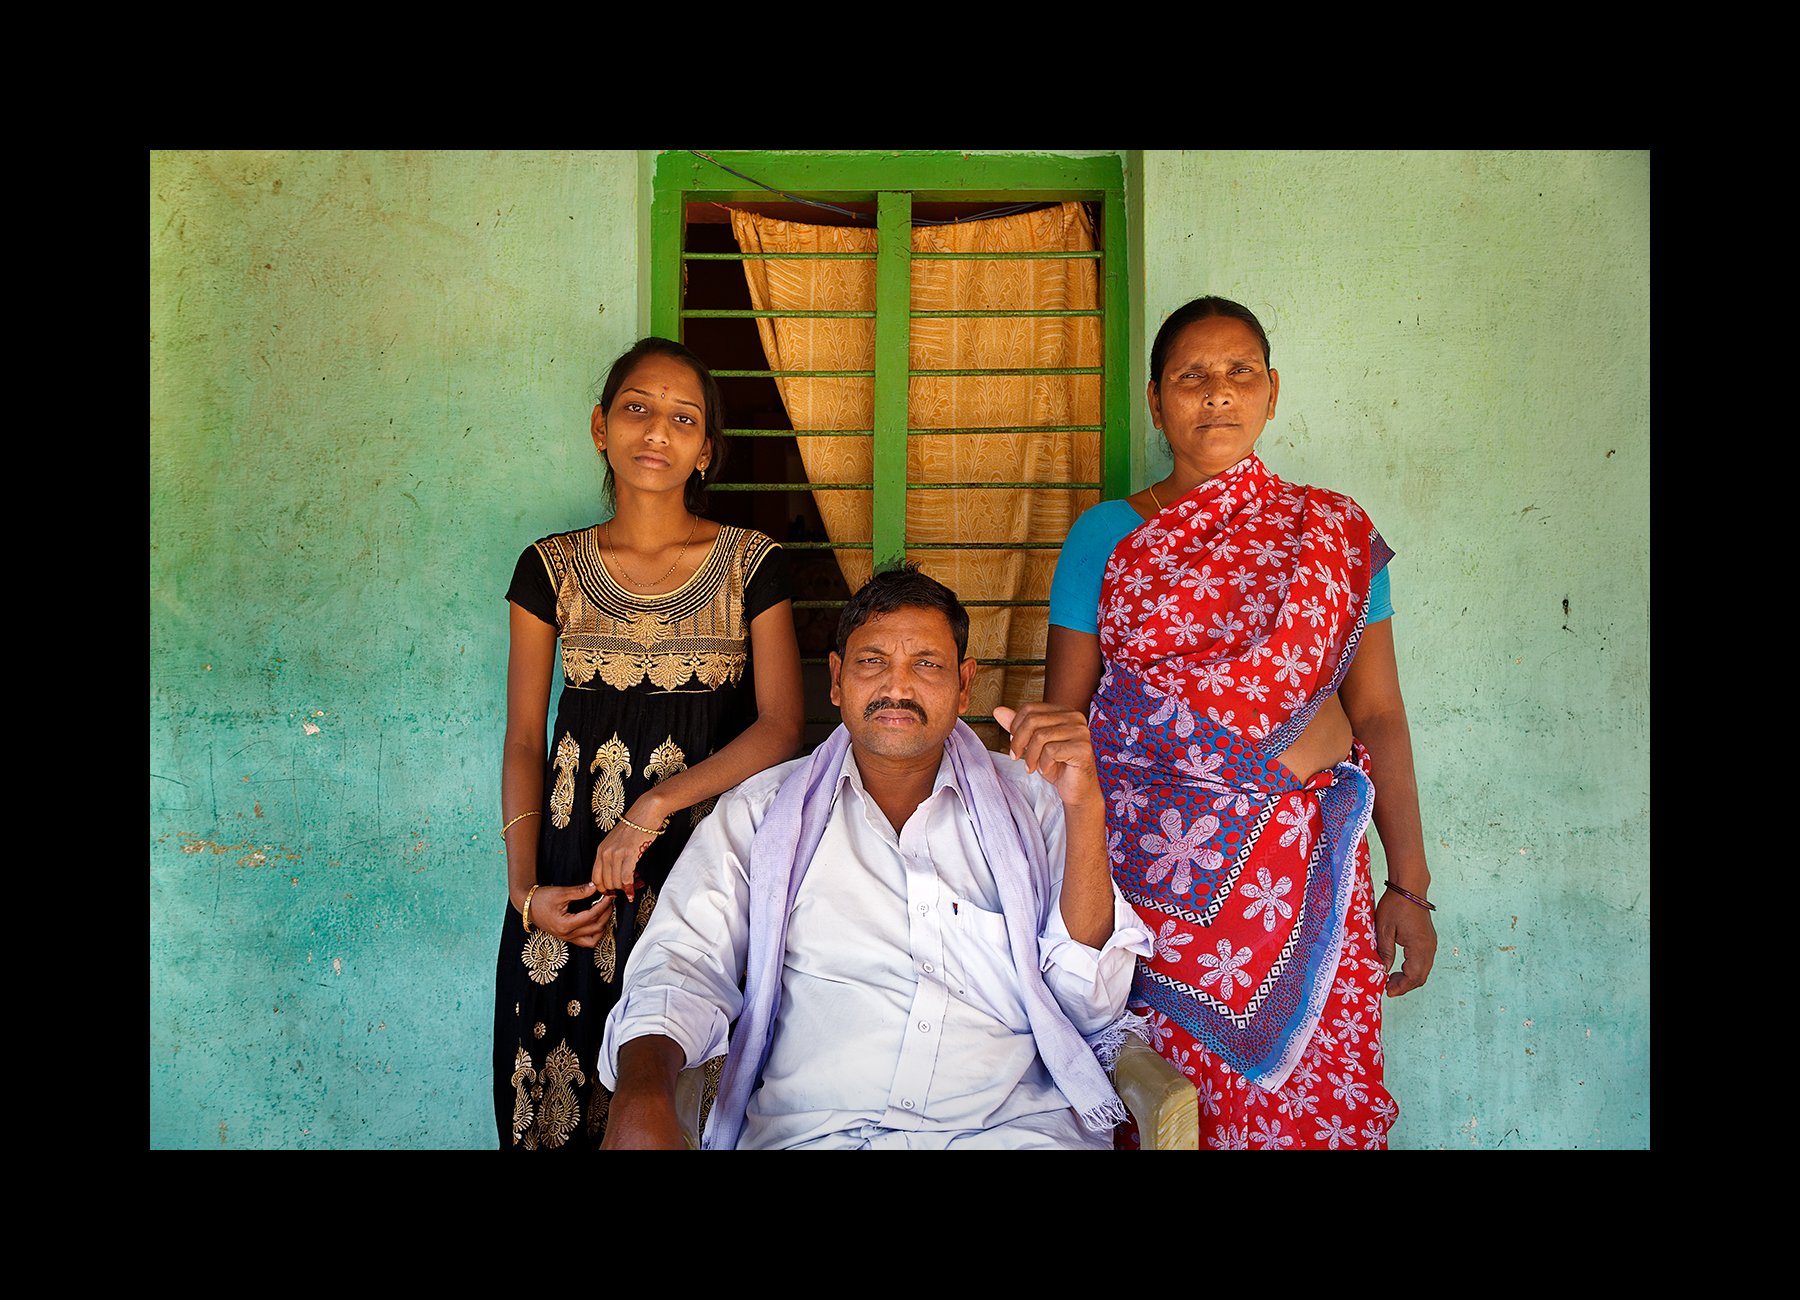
(370, 378)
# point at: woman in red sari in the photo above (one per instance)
(1230, 634)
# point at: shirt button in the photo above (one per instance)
(924, 907)
(929, 968)
(907, 1103)
(924, 1028)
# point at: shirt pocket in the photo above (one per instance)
(979, 962)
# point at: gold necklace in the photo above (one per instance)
(1152, 490)
(659, 582)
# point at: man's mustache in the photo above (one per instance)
(878, 705)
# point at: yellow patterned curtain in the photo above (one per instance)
(969, 515)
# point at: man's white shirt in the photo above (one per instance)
(901, 1021)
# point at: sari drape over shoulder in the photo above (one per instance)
(1225, 622)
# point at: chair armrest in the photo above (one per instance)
(1160, 1098)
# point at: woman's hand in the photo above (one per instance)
(615, 863)
(550, 913)
(1399, 920)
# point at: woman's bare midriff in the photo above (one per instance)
(1324, 743)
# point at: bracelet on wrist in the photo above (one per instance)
(525, 912)
(1408, 894)
(645, 829)
(529, 812)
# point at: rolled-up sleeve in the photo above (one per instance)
(1091, 984)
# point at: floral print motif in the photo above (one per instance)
(1267, 898)
(1181, 850)
(1334, 1100)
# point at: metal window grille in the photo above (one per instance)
(896, 185)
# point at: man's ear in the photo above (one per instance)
(837, 666)
(965, 671)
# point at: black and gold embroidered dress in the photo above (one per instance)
(651, 685)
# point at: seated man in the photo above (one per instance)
(926, 934)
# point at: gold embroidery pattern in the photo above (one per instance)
(539, 1030)
(666, 671)
(559, 1112)
(697, 633)
(665, 762)
(562, 795)
(612, 761)
(606, 952)
(700, 809)
(709, 1094)
(645, 629)
(646, 905)
(574, 1007)
(524, 1081)
(544, 956)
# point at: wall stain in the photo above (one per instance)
(253, 855)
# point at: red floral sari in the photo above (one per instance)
(1225, 623)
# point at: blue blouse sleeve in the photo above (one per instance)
(1075, 589)
(1381, 597)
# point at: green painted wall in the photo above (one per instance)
(370, 378)
(370, 384)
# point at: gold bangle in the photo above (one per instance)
(526, 912)
(645, 829)
(532, 812)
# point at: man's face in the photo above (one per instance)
(899, 685)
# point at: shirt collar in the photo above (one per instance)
(849, 772)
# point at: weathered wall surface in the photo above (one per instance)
(370, 378)
(1463, 342)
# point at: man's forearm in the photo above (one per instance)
(1087, 893)
(642, 1114)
